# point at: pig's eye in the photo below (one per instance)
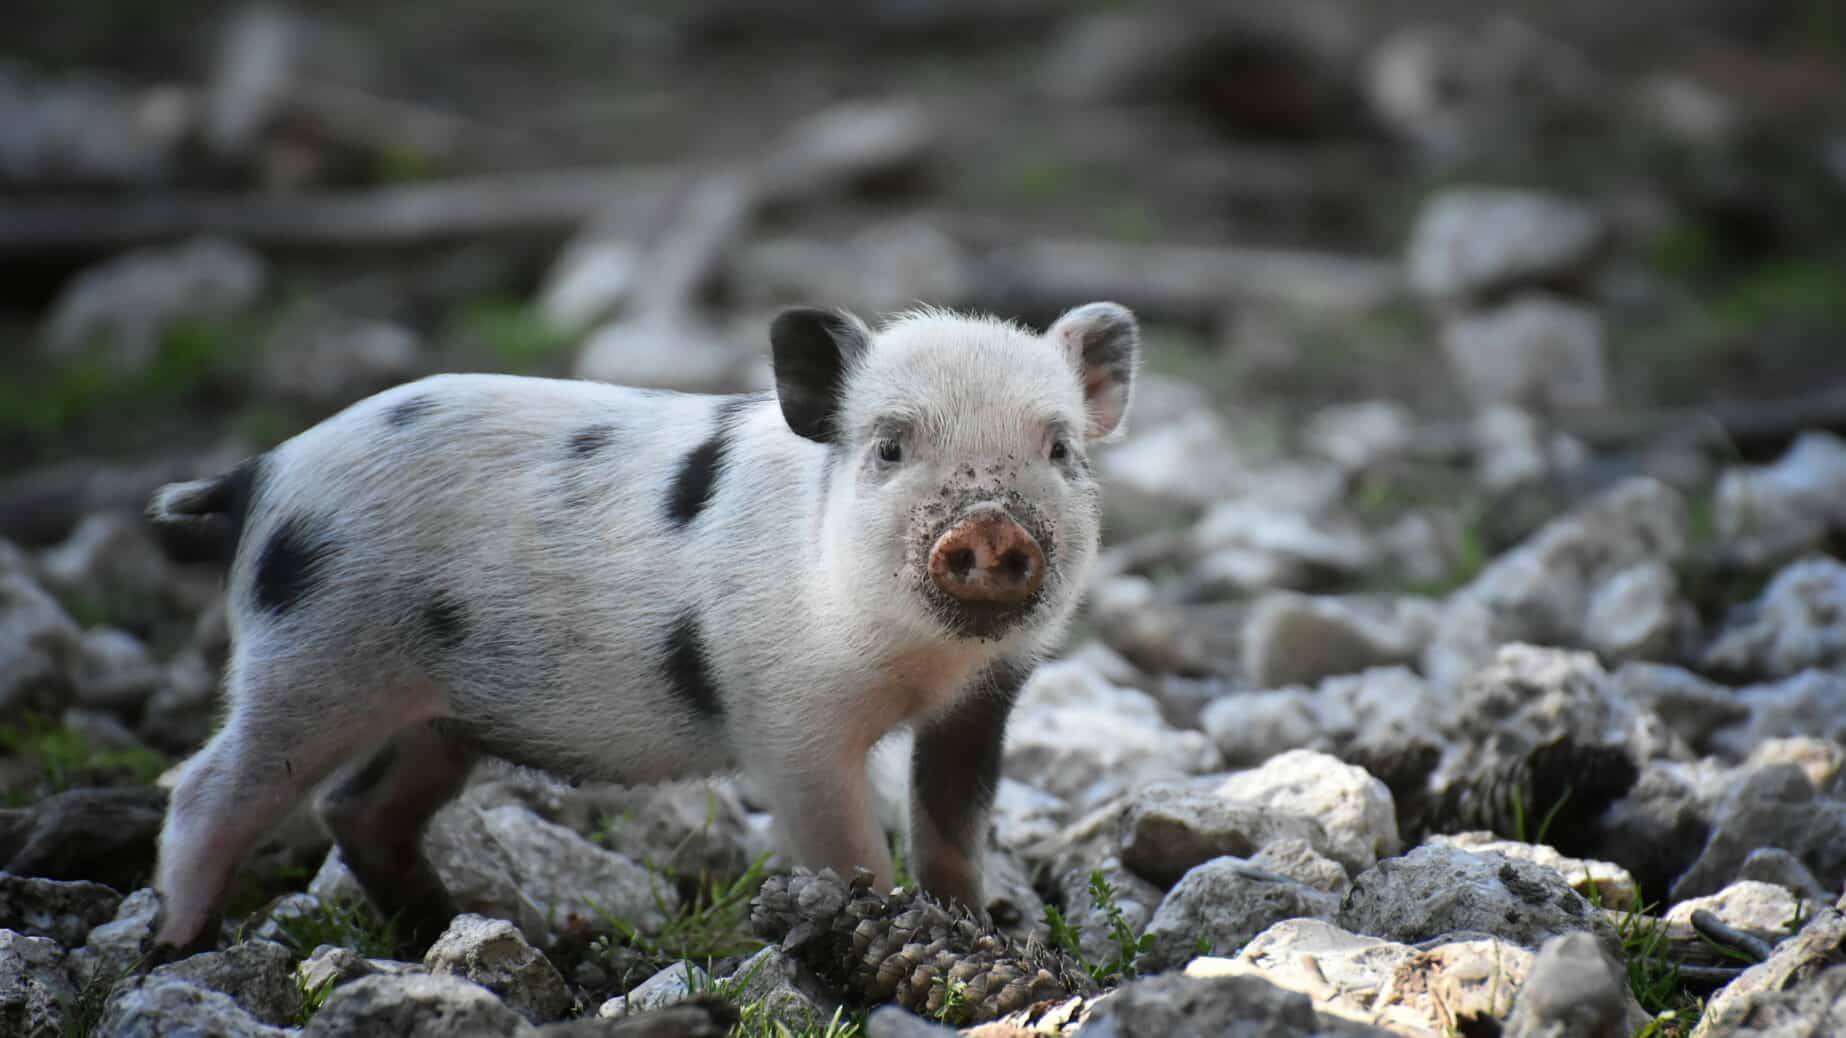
(1059, 450)
(890, 451)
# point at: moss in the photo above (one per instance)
(513, 332)
(65, 760)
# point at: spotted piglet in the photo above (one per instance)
(635, 585)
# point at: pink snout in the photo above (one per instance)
(987, 559)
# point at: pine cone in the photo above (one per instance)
(934, 960)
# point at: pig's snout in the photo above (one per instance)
(987, 559)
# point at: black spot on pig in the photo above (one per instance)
(368, 776)
(688, 669)
(292, 565)
(696, 483)
(405, 412)
(590, 439)
(446, 619)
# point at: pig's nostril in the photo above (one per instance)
(1015, 565)
(961, 562)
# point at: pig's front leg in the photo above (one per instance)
(955, 767)
(823, 811)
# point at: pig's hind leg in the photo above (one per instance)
(378, 814)
(285, 732)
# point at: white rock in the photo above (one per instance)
(1295, 639)
(1384, 707)
(1768, 910)
(127, 303)
(113, 948)
(1635, 613)
(1354, 809)
(1768, 514)
(114, 670)
(1540, 592)
(493, 954)
(1537, 351)
(1472, 240)
(1357, 436)
(1167, 830)
(1082, 739)
(670, 986)
(1513, 448)
(39, 647)
(1812, 702)
(1793, 625)
(323, 358)
(1297, 859)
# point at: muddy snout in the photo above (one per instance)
(987, 559)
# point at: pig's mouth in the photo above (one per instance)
(983, 617)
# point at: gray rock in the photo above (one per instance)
(1691, 706)
(114, 947)
(1794, 625)
(1295, 639)
(1604, 882)
(1771, 806)
(1219, 906)
(881, 268)
(773, 980)
(1811, 703)
(1178, 1006)
(1084, 739)
(162, 1007)
(892, 1022)
(126, 304)
(1538, 351)
(1777, 866)
(1354, 809)
(1387, 706)
(1472, 241)
(1167, 830)
(260, 975)
(84, 131)
(1769, 514)
(1433, 891)
(1135, 898)
(1789, 994)
(36, 998)
(1529, 697)
(493, 954)
(114, 670)
(64, 912)
(273, 922)
(326, 359)
(1299, 861)
(1540, 592)
(112, 558)
(1293, 540)
(39, 648)
(1659, 828)
(1025, 817)
(704, 359)
(414, 1005)
(563, 873)
(1186, 460)
(1575, 990)
(508, 863)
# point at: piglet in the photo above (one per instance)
(634, 585)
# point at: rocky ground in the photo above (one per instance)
(1467, 656)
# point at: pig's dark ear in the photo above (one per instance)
(812, 351)
(1103, 342)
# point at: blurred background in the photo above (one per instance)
(1444, 266)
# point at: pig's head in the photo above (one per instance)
(959, 498)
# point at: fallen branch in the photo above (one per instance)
(1192, 281)
(550, 202)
